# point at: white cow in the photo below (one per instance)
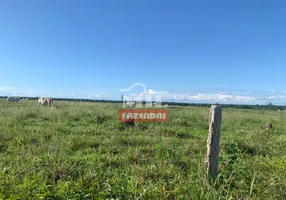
(45, 101)
(13, 99)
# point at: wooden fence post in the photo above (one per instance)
(211, 162)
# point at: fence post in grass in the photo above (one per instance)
(211, 162)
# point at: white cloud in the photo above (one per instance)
(9, 91)
(214, 97)
(199, 97)
(231, 97)
(97, 95)
(12, 91)
(5, 88)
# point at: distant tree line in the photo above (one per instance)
(268, 106)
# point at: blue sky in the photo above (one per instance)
(98, 47)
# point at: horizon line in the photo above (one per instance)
(172, 102)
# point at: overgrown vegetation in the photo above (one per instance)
(80, 150)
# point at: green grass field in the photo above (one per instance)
(82, 151)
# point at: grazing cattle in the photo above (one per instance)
(13, 99)
(45, 101)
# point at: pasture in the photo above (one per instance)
(80, 150)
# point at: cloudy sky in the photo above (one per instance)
(202, 51)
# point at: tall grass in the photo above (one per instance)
(82, 151)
